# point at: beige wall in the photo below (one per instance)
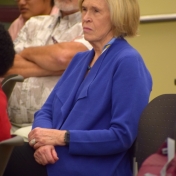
(157, 44)
(153, 7)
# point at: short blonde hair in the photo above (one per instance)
(125, 16)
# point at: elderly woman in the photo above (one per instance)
(28, 9)
(90, 119)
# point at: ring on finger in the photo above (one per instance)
(33, 142)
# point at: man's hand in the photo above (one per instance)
(46, 155)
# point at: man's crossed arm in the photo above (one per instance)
(47, 60)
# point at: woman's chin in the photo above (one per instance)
(89, 39)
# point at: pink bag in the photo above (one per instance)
(161, 163)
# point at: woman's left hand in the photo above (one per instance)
(42, 136)
(46, 155)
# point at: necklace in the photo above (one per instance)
(88, 67)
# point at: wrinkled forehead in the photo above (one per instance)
(67, 1)
(102, 4)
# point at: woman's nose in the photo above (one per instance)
(86, 17)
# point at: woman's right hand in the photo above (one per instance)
(42, 136)
(46, 155)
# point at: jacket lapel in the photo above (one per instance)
(76, 85)
(83, 90)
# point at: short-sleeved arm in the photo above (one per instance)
(83, 41)
(15, 27)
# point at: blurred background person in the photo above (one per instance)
(7, 54)
(28, 9)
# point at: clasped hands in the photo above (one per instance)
(43, 141)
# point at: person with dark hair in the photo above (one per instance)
(7, 54)
(28, 9)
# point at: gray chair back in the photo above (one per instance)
(9, 82)
(158, 121)
(6, 148)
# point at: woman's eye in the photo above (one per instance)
(83, 9)
(95, 10)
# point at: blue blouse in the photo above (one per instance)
(101, 110)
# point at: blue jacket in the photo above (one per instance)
(101, 111)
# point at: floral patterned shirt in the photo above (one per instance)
(29, 96)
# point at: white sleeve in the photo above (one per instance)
(83, 41)
(19, 42)
(28, 35)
